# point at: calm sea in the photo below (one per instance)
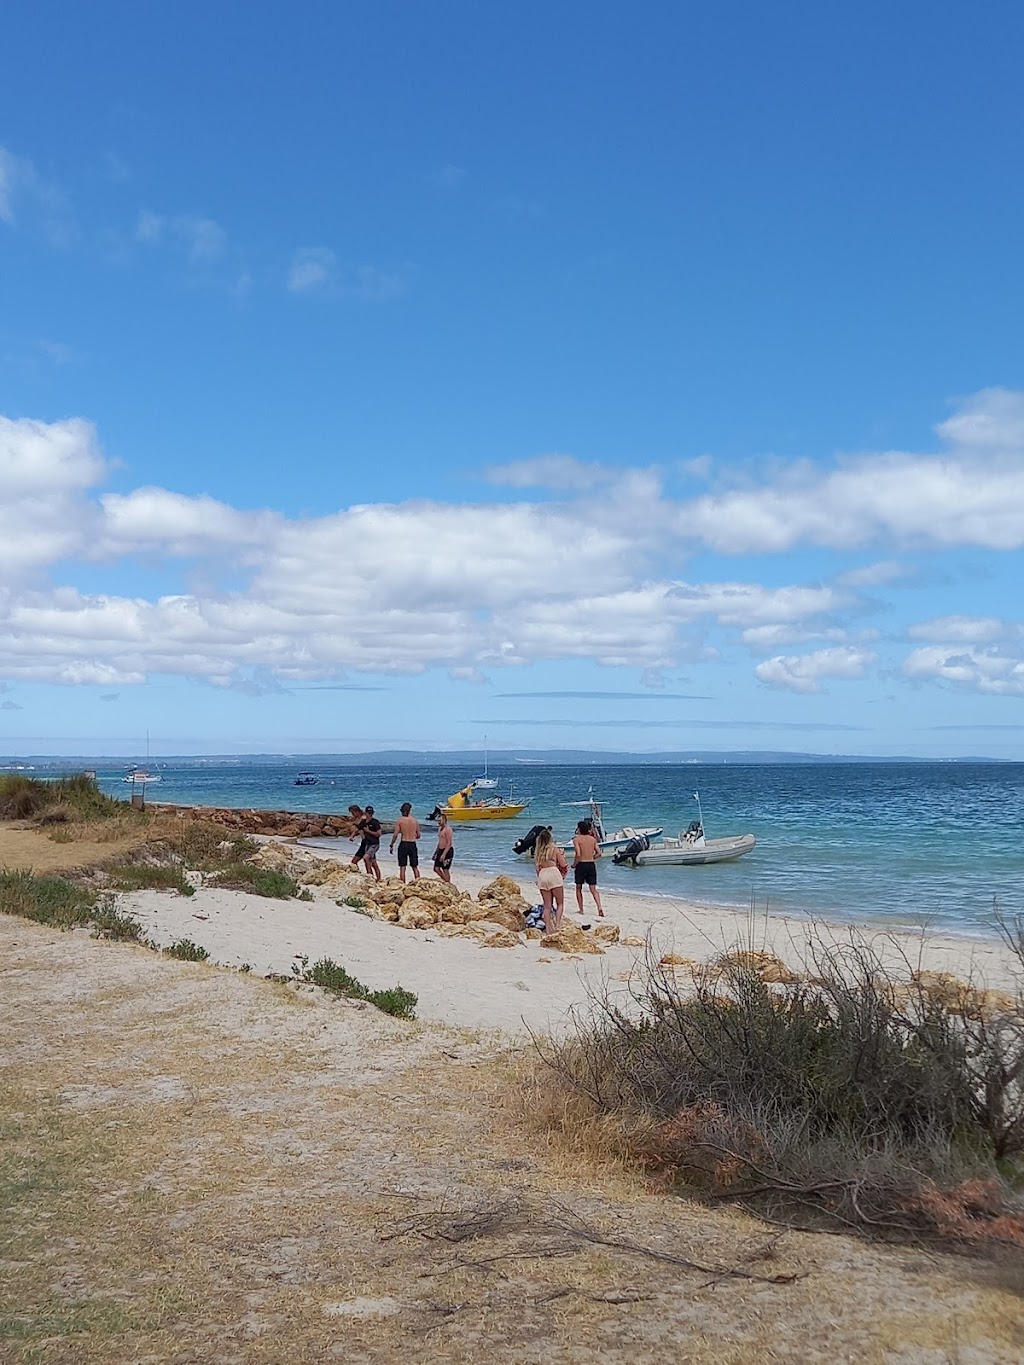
(891, 842)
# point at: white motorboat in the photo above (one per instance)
(690, 848)
(686, 850)
(608, 843)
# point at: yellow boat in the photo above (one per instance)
(461, 806)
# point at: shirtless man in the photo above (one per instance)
(445, 851)
(407, 831)
(586, 851)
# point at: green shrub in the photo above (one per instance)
(395, 1000)
(150, 877)
(306, 895)
(78, 797)
(260, 881)
(187, 951)
(354, 902)
(47, 900)
(108, 922)
(331, 977)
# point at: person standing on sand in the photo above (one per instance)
(370, 830)
(549, 860)
(586, 851)
(445, 851)
(407, 831)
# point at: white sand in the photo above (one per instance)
(510, 989)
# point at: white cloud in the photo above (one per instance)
(960, 629)
(312, 268)
(548, 471)
(971, 494)
(200, 241)
(28, 199)
(407, 586)
(973, 670)
(316, 270)
(872, 575)
(804, 672)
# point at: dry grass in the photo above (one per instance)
(223, 1169)
(35, 850)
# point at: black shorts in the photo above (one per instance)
(443, 858)
(408, 853)
(585, 874)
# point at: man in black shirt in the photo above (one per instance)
(369, 830)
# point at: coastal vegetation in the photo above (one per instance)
(335, 980)
(187, 951)
(854, 1096)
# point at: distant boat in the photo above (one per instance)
(485, 783)
(306, 780)
(140, 775)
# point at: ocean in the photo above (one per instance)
(894, 843)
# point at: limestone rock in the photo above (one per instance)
(435, 893)
(534, 933)
(461, 931)
(501, 938)
(454, 914)
(676, 960)
(505, 913)
(416, 914)
(570, 938)
(632, 941)
(500, 889)
(607, 933)
(768, 967)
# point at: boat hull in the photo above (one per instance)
(464, 814)
(621, 839)
(677, 852)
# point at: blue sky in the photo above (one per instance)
(639, 377)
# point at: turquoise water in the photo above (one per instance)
(886, 841)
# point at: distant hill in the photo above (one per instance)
(472, 758)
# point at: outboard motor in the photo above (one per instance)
(528, 842)
(627, 854)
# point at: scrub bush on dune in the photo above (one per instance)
(856, 1098)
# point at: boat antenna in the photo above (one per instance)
(700, 813)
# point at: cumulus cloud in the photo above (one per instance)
(805, 672)
(383, 587)
(971, 494)
(989, 671)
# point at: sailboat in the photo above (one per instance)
(142, 776)
(485, 783)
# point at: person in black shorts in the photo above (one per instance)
(407, 831)
(586, 851)
(445, 851)
(370, 830)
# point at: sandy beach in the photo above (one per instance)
(529, 986)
